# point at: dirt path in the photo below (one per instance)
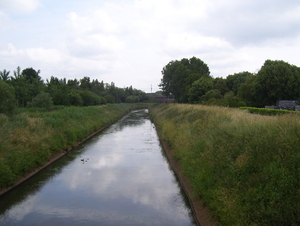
(201, 213)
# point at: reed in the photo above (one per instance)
(30, 138)
(246, 167)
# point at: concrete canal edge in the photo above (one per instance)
(201, 213)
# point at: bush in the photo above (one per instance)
(212, 94)
(42, 100)
(266, 111)
(89, 98)
(110, 99)
(103, 100)
(132, 99)
(233, 101)
(75, 98)
(7, 98)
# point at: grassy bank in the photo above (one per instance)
(28, 139)
(245, 166)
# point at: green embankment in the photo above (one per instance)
(246, 167)
(29, 139)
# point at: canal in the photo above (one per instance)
(118, 177)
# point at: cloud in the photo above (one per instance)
(194, 44)
(92, 36)
(251, 22)
(129, 42)
(19, 6)
(4, 21)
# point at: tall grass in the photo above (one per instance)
(30, 138)
(245, 167)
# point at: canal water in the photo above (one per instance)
(118, 177)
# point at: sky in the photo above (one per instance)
(128, 42)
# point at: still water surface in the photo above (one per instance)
(124, 179)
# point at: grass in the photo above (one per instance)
(245, 166)
(29, 138)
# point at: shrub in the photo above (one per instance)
(132, 99)
(266, 111)
(75, 98)
(7, 98)
(89, 98)
(42, 100)
(110, 98)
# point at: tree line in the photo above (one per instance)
(189, 81)
(27, 89)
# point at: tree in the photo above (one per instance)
(97, 87)
(4, 75)
(178, 77)
(7, 98)
(21, 90)
(31, 75)
(74, 84)
(33, 84)
(200, 88)
(27, 85)
(276, 80)
(17, 73)
(113, 93)
(59, 90)
(246, 91)
(85, 83)
(236, 80)
(220, 84)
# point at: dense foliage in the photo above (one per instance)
(244, 166)
(27, 89)
(189, 81)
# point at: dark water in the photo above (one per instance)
(123, 180)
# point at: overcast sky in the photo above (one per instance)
(128, 42)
